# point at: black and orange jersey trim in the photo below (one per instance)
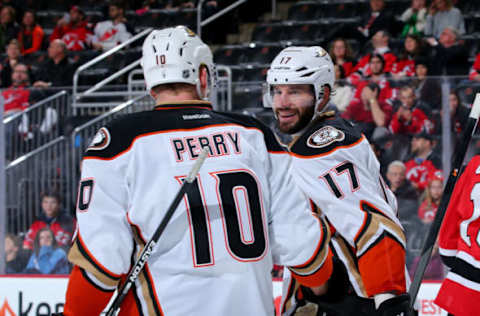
(300, 147)
(175, 118)
(81, 256)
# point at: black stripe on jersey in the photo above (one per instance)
(353, 256)
(95, 285)
(462, 268)
(384, 235)
(92, 262)
(364, 206)
(351, 136)
(365, 227)
(125, 129)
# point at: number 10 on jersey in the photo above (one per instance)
(230, 187)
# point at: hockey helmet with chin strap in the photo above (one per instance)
(302, 65)
(175, 55)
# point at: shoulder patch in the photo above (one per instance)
(325, 136)
(101, 140)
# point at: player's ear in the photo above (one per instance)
(325, 98)
(203, 76)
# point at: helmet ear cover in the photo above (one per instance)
(175, 55)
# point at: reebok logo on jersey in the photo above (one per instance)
(325, 136)
(101, 140)
(196, 117)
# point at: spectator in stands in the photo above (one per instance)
(410, 117)
(376, 19)
(13, 57)
(58, 221)
(442, 14)
(413, 47)
(47, 257)
(8, 26)
(15, 257)
(423, 161)
(450, 55)
(108, 34)
(57, 69)
(380, 47)
(31, 34)
(343, 92)
(427, 89)
(369, 113)
(414, 18)
(378, 76)
(474, 74)
(458, 117)
(342, 55)
(17, 96)
(431, 197)
(74, 31)
(406, 194)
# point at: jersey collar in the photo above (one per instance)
(190, 104)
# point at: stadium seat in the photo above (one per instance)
(260, 53)
(229, 54)
(303, 11)
(48, 19)
(247, 96)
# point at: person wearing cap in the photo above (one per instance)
(73, 30)
(410, 117)
(423, 160)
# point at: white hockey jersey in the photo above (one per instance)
(216, 254)
(336, 168)
(109, 34)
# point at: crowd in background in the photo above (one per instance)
(384, 85)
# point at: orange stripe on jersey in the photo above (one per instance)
(328, 152)
(82, 297)
(170, 131)
(382, 267)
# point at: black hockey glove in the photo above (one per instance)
(396, 306)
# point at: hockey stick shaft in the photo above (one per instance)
(460, 152)
(149, 247)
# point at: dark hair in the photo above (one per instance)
(418, 50)
(53, 194)
(374, 86)
(379, 56)
(117, 3)
(34, 16)
(36, 241)
(342, 71)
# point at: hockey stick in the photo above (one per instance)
(460, 150)
(148, 249)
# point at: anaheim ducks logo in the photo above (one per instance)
(325, 136)
(101, 140)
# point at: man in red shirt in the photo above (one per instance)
(380, 47)
(76, 33)
(62, 224)
(410, 118)
(368, 112)
(17, 95)
(423, 162)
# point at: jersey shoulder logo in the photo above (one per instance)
(325, 136)
(101, 140)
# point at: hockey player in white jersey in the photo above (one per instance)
(335, 167)
(244, 214)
